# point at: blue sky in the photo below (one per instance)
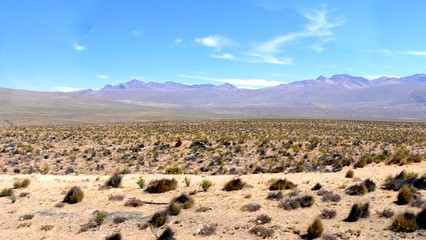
(60, 45)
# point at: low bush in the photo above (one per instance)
(185, 200)
(315, 229)
(405, 195)
(114, 236)
(262, 232)
(133, 202)
(205, 230)
(119, 219)
(405, 222)
(362, 188)
(161, 186)
(158, 219)
(421, 219)
(206, 184)
(21, 183)
(386, 213)
(275, 196)
(328, 214)
(168, 234)
(6, 192)
(358, 210)
(397, 182)
(317, 186)
(174, 170)
(281, 184)
(294, 203)
(117, 197)
(263, 219)
(349, 174)
(251, 207)
(234, 185)
(114, 181)
(331, 197)
(74, 195)
(141, 182)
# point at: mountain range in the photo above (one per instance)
(338, 97)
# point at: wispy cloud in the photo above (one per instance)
(253, 58)
(102, 76)
(415, 53)
(136, 33)
(66, 89)
(241, 83)
(215, 41)
(79, 48)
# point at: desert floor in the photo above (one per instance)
(45, 191)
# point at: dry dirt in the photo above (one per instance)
(231, 223)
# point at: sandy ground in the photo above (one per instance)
(231, 223)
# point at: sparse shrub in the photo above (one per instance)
(114, 181)
(187, 182)
(119, 219)
(281, 184)
(306, 201)
(60, 205)
(317, 187)
(26, 217)
(141, 182)
(174, 170)
(419, 203)
(263, 219)
(331, 197)
(360, 164)
(234, 185)
(100, 217)
(328, 214)
(315, 229)
(205, 230)
(134, 203)
(168, 234)
(405, 222)
(401, 179)
(362, 188)
(114, 236)
(262, 231)
(21, 183)
(251, 207)
(206, 184)
(358, 210)
(386, 213)
(290, 204)
(117, 197)
(6, 192)
(161, 186)
(185, 200)
(275, 196)
(158, 219)
(405, 195)
(126, 171)
(74, 195)
(349, 174)
(328, 236)
(174, 209)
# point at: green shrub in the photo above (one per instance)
(362, 188)
(234, 185)
(349, 174)
(126, 171)
(281, 184)
(360, 164)
(358, 210)
(161, 186)
(206, 184)
(74, 195)
(315, 229)
(405, 222)
(6, 192)
(100, 217)
(21, 183)
(405, 195)
(114, 181)
(158, 219)
(174, 170)
(187, 181)
(141, 182)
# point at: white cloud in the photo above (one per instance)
(372, 77)
(136, 33)
(416, 53)
(223, 56)
(79, 48)
(215, 41)
(66, 89)
(178, 41)
(241, 83)
(102, 76)
(319, 27)
(254, 58)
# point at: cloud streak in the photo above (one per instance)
(102, 76)
(415, 53)
(79, 48)
(241, 83)
(215, 41)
